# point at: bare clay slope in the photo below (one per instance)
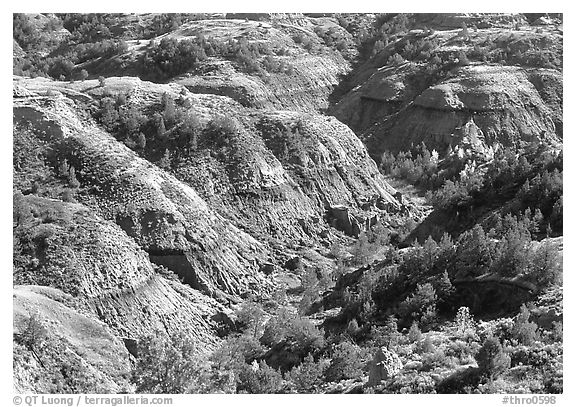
(298, 71)
(163, 215)
(276, 175)
(501, 101)
(509, 85)
(66, 343)
(70, 248)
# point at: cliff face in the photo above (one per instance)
(394, 105)
(301, 60)
(163, 215)
(501, 101)
(271, 184)
(304, 85)
(68, 247)
(228, 209)
(283, 171)
(59, 349)
(144, 207)
(276, 177)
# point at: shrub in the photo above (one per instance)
(251, 318)
(306, 376)
(72, 180)
(190, 129)
(290, 327)
(34, 335)
(419, 303)
(259, 378)
(165, 161)
(21, 211)
(458, 349)
(68, 196)
(346, 362)
(171, 57)
(414, 333)
(390, 334)
(425, 346)
(463, 59)
(362, 250)
(164, 364)
(395, 59)
(491, 358)
(222, 127)
(435, 359)
(235, 351)
(352, 328)
(524, 331)
(141, 141)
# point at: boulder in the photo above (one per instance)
(293, 264)
(385, 364)
(267, 268)
(344, 220)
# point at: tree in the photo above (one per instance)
(161, 129)
(102, 81)
(419, 303)
(464, 320)
(475, 254)
(491, 358)
(414, 334)
(524, 330)
(83, 74)
(165, 162)
(306, 376)
(346, 362)
(251, 316)
(34, 334)
(395, 59)
(141, 141)
(72, 180)
(169, 109)
(164, 364)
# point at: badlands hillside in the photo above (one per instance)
(287, 203)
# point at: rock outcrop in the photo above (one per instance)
(501, 101)
(385, 365)
(71, 249)
(307, 70)
(312, 75)
(162, 214)
(306, 89)
(52, 335)
(451, 21)
(395, 105)
(277, 177)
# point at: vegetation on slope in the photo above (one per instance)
(405, 309)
